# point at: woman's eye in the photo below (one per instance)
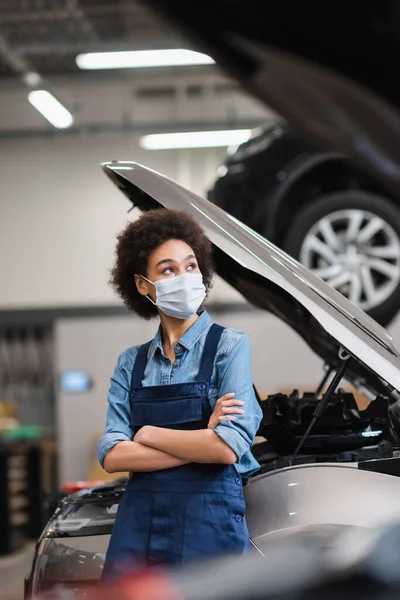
(168, 271)
(192, 266)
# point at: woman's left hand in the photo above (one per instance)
(225, 409)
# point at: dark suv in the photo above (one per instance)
(335, 219)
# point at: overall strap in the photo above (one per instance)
(209, 352)
(139, 366)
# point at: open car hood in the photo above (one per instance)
(270, 279)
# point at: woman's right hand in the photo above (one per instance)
(225, 409)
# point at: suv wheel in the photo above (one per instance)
(352, 241)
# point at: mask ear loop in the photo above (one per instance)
(151, 299)
(147, 296)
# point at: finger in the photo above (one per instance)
(232, 402)
(227, 418)
(226, 397)
(229, 410)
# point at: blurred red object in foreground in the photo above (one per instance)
(146, 584)
(143, 585)
(75, 486)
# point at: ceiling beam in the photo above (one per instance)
(137, 43)
(131, 128)
(21, 66)
(18, 64)
(34, 16)
(144, 78)
(76, 11)
(58, 14)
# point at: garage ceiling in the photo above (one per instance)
(46, 35)
(40, 39)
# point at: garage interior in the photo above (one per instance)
(59, 218)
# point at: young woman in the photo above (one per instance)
(182, 412)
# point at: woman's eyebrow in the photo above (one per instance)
(172, 260)
(165, 260)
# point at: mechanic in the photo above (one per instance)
(182, 412)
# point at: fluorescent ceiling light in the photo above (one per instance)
(194, 139)
(142, 58)
(51, 109)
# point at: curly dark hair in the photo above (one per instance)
(140, 238)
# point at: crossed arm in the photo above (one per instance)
(155, 448)
(136, 456)
(133, 456)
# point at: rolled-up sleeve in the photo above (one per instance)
(234, 375)
(117, 427)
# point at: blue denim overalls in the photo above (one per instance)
(173, 516)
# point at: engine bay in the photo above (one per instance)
(343, 432)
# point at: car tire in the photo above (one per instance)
(300, 240)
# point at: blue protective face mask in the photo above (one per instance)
(179, 296)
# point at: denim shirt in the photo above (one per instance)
(231, 373)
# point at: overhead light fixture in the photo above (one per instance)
(31, 79)
(135, 59)
(51, 109)
(194, 139)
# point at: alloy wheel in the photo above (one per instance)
(356, 252)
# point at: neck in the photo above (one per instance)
(173, 329)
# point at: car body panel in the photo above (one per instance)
(293, 173)
(255, 180)
(72, 561)
(314, 495)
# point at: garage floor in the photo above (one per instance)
(13, 569)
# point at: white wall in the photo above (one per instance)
(59, 214)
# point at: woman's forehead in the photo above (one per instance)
(177, 250)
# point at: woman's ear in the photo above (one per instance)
(142, 285)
